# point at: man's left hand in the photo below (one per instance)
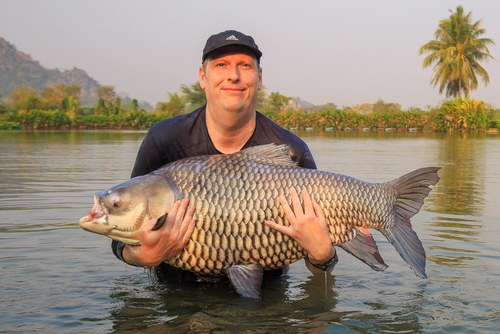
(307, 227)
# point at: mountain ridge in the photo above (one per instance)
(18, 69)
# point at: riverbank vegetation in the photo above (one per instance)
(59, 108)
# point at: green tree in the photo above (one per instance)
(457, 51)
(134, 104)
(364, 108)
(194, 95)
(118, 106)
(73, 90)
(24, 98)
(3, 106)
(101, 107)
(277, 102)
(107, 93)
(54, 97)
(174, 106)
(71, 105)
(380, 107)
(261, 98)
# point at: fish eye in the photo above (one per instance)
(116, 202)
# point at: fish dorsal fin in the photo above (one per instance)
(275, 154)
(246, 279)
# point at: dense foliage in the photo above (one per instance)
(461, 114)
(58, 107)
(458, 114)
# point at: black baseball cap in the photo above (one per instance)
(228, 38)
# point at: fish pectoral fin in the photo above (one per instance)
(159, 223)
(363, 247)
(246, 279)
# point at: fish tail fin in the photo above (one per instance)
(411, 190)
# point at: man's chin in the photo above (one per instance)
(235, 107)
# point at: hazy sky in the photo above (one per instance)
(345, 52)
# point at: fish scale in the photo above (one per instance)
(234, 197)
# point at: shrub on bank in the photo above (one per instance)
(340, 119)
(42, 119)
(457, 114)
(461, 114)
(5, 125)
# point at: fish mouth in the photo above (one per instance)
(97, 219)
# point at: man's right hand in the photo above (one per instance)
(167, 241)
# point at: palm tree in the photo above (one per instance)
(457, 51)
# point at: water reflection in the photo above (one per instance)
(178, 308)
(463, 156)
(294, 304)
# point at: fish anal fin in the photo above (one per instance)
(363, 247)
(246, 279)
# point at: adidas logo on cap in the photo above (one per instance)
(232, 38)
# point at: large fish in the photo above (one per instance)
(234, 194)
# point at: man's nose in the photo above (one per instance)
(234, 74)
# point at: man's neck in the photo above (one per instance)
(230, 131)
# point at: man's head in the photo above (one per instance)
(231, 75)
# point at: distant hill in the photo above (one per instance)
(18, 69)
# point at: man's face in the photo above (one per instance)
(231, 79)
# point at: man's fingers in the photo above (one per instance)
(297, 206)
(186, 235)
(318, 210)
(280, 228)
(308, 206)
(181, 212)
(172, 213)
(286, 208)
(188, 218)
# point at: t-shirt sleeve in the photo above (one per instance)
(307, 160)
(148, 158)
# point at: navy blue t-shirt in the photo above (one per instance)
(187, 136)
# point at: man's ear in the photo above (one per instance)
(260, 77)
(201, 77)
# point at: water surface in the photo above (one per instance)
(55, 277)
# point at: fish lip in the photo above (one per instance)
(98, 214)
(99, 208)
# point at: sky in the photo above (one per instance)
(344, 52)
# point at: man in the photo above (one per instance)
(231, 77)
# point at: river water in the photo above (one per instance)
(55, 277)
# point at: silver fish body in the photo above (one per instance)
(234, 194)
